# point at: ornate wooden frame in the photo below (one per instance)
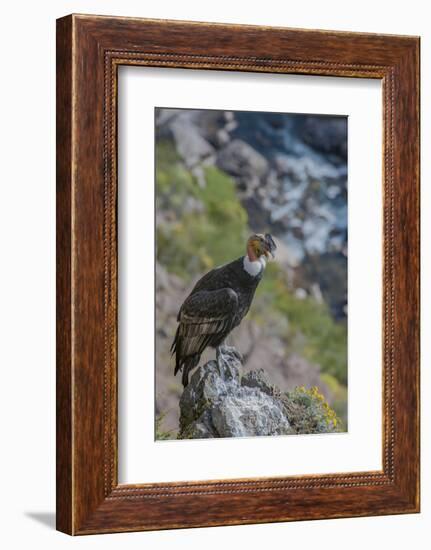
(89, 51)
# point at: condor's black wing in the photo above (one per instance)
(205, 317)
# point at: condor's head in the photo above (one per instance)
(260, 246)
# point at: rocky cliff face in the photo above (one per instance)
(220, 401)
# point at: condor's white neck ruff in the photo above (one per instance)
(253, 268)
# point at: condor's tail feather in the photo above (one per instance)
(187, 363)
(175, 342)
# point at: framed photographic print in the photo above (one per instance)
(237, 274)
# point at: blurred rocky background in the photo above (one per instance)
(221, 175)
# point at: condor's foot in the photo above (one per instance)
(227, 353)
(229, 362)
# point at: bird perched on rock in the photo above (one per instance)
(218, 303)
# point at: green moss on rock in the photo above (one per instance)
(309, 413)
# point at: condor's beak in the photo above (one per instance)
(270, 246)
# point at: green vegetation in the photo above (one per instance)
(161, 433)
(339, 396)
(174, 182)
(308, 412)
(214, 221)
(324, 339)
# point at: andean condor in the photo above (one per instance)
(218, 303)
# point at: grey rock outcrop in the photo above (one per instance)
(244, 163)
(220, 401)
(192, 147)
(239, 159)
(326, 134)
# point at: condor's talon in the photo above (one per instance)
(227, 352)
(220, 352)
(238, 355)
